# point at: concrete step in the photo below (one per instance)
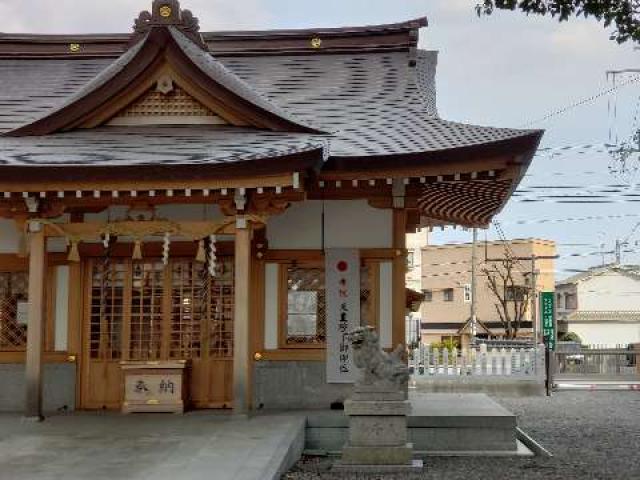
(439, 422)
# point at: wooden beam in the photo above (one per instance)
(399, 277)
(241, 347)
(35, 330)
(143, 184)
(10, 262)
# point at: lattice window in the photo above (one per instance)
(13, 301)
(306, 304)
(146, 310)
(189, 294)
(176, 103)
(221, 311)
(132, 299)
(106, 311)
(367, 307)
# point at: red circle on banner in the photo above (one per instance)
(342, 266)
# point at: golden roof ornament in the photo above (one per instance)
(168, 13)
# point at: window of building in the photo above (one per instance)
(13, 310)
(411, 259)
(306, 320)
(305, 314)
(559, 300)
(515, 293)
(428, 295)
(467, 293)
(447, 294)
(570, 301)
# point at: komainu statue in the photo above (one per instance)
(378, 367)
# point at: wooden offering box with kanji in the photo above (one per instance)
(154, 386)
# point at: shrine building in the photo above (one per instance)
(172, 198)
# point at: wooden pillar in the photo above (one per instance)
(242, 318)
(35, 329)
(399, 277)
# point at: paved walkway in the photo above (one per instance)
(147, 447)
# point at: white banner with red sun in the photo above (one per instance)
(342, 270)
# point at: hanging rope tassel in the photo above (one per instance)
(74, 254)
(165, 249)
(105, 240)
(137, 250)
(212, 256)
(201, 256)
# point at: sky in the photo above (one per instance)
(506, 70)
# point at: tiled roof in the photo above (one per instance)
(374, 104)
(113, 146)
(632, 271)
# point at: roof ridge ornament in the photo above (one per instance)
(166, 13)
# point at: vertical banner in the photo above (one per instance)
(547, 315)
(342, 271)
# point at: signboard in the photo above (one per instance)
(342, 271)
(547, 317)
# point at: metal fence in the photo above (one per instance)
(481, 361)
(597, 361)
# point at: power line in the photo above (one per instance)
(581, 102)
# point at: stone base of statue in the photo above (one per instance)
(378, 439)
(378, 435)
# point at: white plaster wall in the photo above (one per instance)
(611, 291)
(62, 309)
(9, 236)
(386, 304)
(271, 310)
(607, 333)
(348, 224)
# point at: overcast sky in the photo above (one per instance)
(503, 70)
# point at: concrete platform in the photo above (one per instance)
(440, 423)
(196, 446)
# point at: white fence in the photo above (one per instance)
(427, 361)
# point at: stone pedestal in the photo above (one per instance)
(378, 433)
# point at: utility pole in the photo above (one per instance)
(474, 317)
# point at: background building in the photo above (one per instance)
(446, 283)
(602, 305)
(415, 243)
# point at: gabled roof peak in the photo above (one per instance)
(165, 54)
(165, 13)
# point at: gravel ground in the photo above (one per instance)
(592, 435)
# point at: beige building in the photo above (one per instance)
(446, 283)
(415, 243)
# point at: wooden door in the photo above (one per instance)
(202, 329)
(107, 285)
(142, 310)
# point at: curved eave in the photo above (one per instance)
(159, 46)
(462, 197)
(525, 144)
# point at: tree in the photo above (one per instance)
(624, 14)
(511, 292)
(571, 337)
